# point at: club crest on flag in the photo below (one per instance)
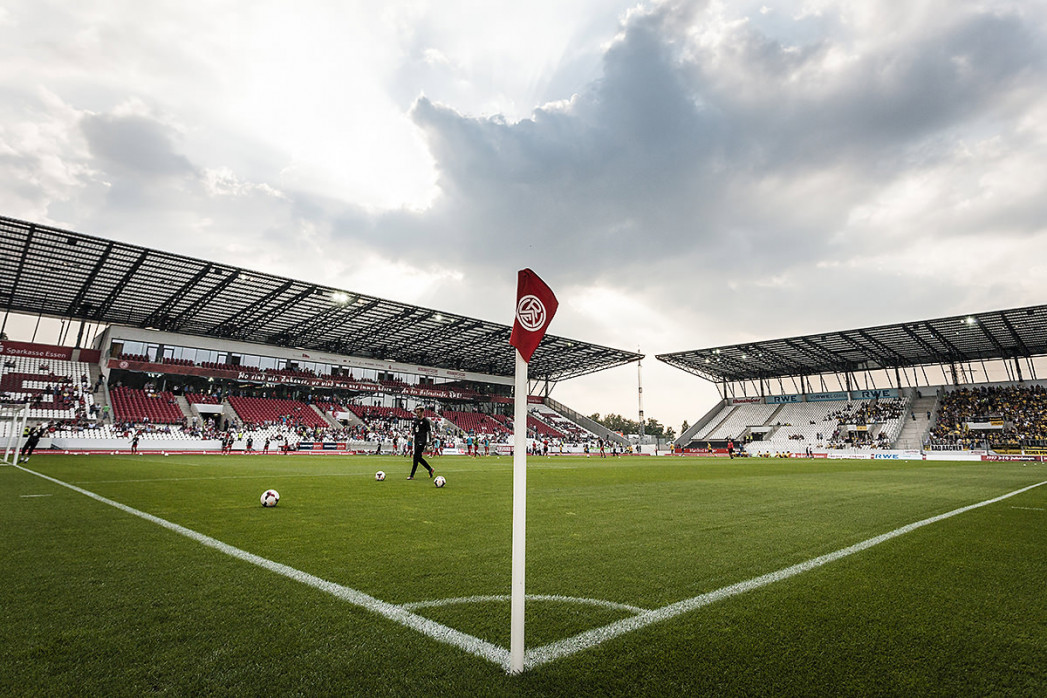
(530, 312)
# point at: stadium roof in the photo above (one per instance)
(999, 334)
(70, 275)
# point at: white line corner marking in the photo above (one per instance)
(547, 653)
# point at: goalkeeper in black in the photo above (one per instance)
(421, 428)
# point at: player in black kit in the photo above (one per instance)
(420, 430)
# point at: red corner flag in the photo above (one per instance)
(535, 307)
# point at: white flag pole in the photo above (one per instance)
(516, 628)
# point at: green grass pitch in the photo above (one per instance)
(98, 601)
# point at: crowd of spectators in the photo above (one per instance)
(867, 414)
(1020, 412)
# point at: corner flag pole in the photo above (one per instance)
(516, 627)
(535, 306)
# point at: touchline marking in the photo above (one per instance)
(557, 650)
(1030, 508)
(33, 495)
(397, 614)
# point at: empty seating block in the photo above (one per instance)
(55, 388)
(131, 405)
(475, 422)
(263, 411)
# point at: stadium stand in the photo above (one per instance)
(732, 421)
(571, 431)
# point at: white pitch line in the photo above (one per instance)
(1030, 508)
(397, 614)
(563, 648)
(33, 495)
(530, 597)
(547, 653)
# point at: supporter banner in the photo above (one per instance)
(534, 400)
(1023, 459)
(266, 380)
(826, 397)
(873, 394)
(746, 400)
(986, 426)
(1028, 451)
(431, 392)
(783, 399)
(36, 351)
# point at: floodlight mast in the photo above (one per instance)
(639, 384)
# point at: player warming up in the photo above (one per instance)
(420, 429)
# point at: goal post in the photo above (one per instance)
(13, 420)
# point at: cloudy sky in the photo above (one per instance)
(683, 174)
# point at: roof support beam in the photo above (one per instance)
(953, 353)
(21, 263)
(381, 327)
(234, 324)
(893, 356)
(103, 308)
(992, 339)
(179, 320)
(74, 305)
(805, 346)
(158, 318)
(278, 309)
(1014, 335)
(927, 346)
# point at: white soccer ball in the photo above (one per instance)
(439, 481)
(270, 498)
(379, 476)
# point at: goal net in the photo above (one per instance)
(13, 419)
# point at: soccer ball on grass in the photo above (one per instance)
(379, 476)
(270, 498)
(439, 481)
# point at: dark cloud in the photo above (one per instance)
(746, 160)
(134, 146)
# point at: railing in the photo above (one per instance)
(594, 427)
